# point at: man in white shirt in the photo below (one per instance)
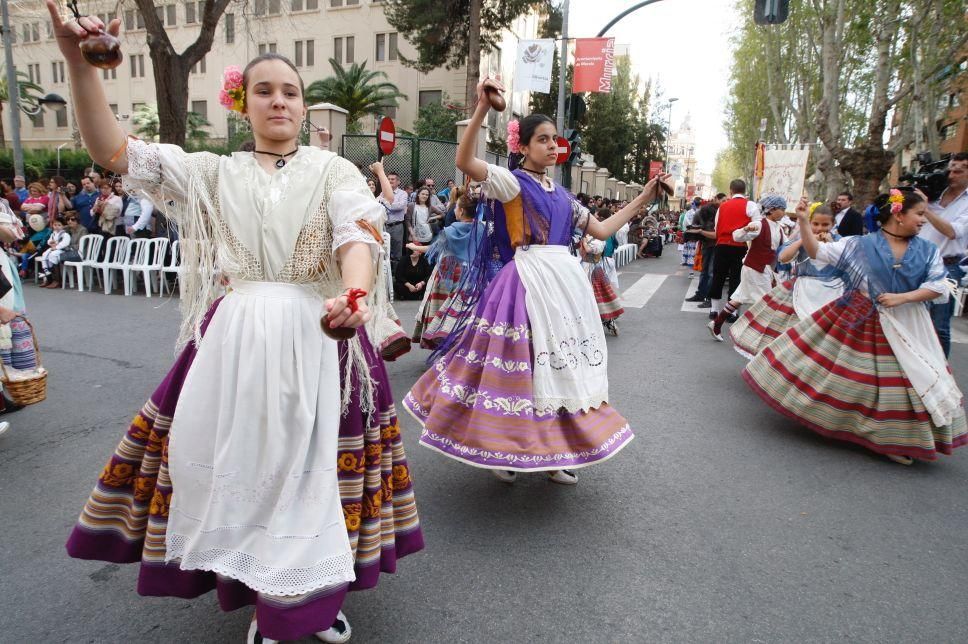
(848, 222)
(947, 227)
(396, 211)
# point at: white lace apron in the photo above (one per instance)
(253, 447)
(915, 344)
(570, 359)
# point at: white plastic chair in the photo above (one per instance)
(88, 249)
(149, 263)
(114, 253)
(173, 266)
(130, 253)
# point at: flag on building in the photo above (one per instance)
(532, 68)
(594, 65)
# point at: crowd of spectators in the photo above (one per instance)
(55, 214)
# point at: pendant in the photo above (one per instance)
(280, 163)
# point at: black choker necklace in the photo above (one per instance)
(540, 173)
(282, 157)
(895, 235)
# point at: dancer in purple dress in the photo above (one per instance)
(523, 385)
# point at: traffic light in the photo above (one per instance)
(771, 12)
(574, 140)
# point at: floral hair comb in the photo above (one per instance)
(896, 200)
(232, 96)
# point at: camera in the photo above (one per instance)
(931, 177)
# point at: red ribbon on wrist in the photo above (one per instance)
(352, 295)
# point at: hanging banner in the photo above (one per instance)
(655, 168)
(784, 172)
(594, 65)
(532, 68)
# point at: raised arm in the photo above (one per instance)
(104, 138)
(386, 190)
(607, 228)
(810, 243)
(467, 163)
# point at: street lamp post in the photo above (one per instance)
(54, 101)
(669, 131)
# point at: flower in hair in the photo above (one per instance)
(896, 200)
(514, 137)
(232, 95)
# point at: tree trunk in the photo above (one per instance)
(171, 88)
(868, 166)
(473, 56)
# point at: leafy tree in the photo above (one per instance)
(171, 68)
(30, 94)
(357, 90)
(726, 170)
(454, 32)
(648, 139)
(438, 121)
(147, 124)
(833, 74)
(611, 122)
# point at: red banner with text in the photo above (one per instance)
(594, 65)
(655, 168)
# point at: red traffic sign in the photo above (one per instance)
(386, 136)
(564, 150)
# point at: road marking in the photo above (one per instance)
(642, 291)
(692, 307)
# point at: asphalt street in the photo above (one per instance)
(721, 522)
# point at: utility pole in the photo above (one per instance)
(562, 79)
(13, 93)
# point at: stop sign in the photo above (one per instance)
(564, 150)
(386, 136)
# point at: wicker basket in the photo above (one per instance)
(26, 391)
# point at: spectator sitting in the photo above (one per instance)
(410, 278)
(37, 201)
(12, 199)
(36, 243)
(20, 187)
(107, 210)
(57, 201)
(57, 245)
(83, 201)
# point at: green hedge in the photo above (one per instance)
(42, 164)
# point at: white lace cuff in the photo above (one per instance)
(351, 232)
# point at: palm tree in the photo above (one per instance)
(30, 94)
(145, 121)
(356, 90)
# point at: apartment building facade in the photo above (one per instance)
(308, 32)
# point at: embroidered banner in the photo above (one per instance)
(532, 68)
(783, 174)
(594, 65)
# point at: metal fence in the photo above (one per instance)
(412, 159)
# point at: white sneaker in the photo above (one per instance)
(338, 633)
(563, 477)
(4, 426)
(505, 476)
(903, 460)
(712, 331)
(255, 637)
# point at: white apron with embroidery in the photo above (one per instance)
(570, 358)
(253, 441)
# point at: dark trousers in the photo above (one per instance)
(706, 277)
(727, 264)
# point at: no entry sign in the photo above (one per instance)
(564, 150)
(386, 136)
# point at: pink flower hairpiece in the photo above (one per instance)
(896, 200)
(514, 137)
(232, 95)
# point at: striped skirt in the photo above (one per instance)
(837, 374)
(609, 304)
(21, 355)
(125, 519)
(438, 304)
(765, 321)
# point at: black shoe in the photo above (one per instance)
(706, 304)
(732, 317)
(712, 315)
(9, 406)
(695, 298)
